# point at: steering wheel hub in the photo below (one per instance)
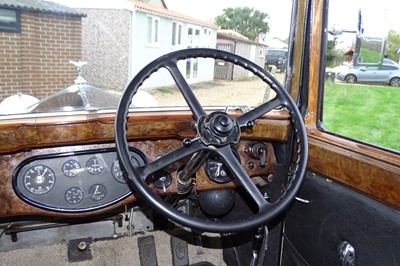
(218, 129)
(221, 125)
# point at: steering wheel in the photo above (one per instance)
(216, 132)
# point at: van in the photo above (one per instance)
(276, 57)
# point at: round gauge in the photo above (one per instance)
(117, 171)
(71, 168)
(162, 180)
(39, 179)
(95, 166)
(97, 192)
(74, 195)
(217, 170)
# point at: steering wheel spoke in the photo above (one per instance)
(170, 158)
(244, 179)
(187, 93)
(259, 111)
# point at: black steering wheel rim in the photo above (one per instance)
(135, 175)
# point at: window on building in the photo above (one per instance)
(261, 53)
(9, 20)
(196, 40)
(207, 38)
(153, 25)
(190, 37)
(193, 37)
(176, 34)
(193, 41)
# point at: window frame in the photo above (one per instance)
(388, 68)
(17, 27)
(318, 119)
(177, 38)
(153, 32)
(193, 40)
(261, 52)
(207, 37)
(340, 159)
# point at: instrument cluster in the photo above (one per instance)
(74, 182)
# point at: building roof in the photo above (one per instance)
(169, 13)
(232, 33)
(42, 6)
(229, 35)
(276, 43)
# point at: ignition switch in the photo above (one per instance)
(258, 151)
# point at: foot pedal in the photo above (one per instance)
(147, 251)
(199, 244)
(179, 250)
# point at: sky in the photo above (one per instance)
(379, 15)
(278, 11)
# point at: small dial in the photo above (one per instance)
(117, 171)
(39, 179)
(95, 165)
(74, 195)
(71, 168)
(162, 180)
(216, 169)
(97, 192)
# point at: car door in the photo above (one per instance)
(385, 73)
(347, 212)
(368, 74)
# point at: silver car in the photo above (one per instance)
(385, 73)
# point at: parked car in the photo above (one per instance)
(387, 73)
(388, 61)
(80, 97)
(276, 57)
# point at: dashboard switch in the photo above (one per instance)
(258, 151)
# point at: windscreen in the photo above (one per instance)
(66, 56)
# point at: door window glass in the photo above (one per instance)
(362, 76)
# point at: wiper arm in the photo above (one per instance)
(241, 108)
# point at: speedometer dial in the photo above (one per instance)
(39, 179)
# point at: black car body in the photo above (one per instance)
(276, 57)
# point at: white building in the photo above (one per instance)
(122, 37)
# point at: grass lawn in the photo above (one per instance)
(369, 113)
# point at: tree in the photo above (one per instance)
(247, 21)
(393, 45)
(333, 56)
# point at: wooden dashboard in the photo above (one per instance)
(153, 134)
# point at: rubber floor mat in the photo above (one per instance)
(147, 251)
(179, 251)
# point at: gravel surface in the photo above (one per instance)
(250, 92)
